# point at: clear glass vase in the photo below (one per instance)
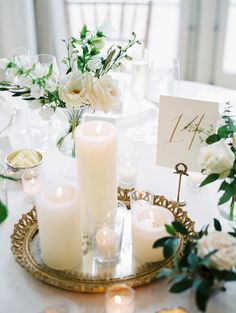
(228, 210)
(65, 141)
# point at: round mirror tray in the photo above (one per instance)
(91, 276)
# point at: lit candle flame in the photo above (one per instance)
(59, 193)
(98, 129)
(118, 299)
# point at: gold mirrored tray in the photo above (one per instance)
(91, 276)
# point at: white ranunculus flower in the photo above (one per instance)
(95, 64)
(36, 91)
(225, 244)
(105, 94)
(51, 85)
(3, 63)
(74, 88)
(217, 158)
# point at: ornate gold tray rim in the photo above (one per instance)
(27, 227)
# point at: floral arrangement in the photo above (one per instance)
(206, 262)
(218, 161)
(86, 83)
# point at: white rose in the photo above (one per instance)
(217, 158)
(36, 91)
(3, 63)
(74, 88)
(95, 64)
(225, 244)
(105, 94)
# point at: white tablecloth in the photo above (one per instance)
(20, 293)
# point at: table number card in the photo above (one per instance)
(182, 127)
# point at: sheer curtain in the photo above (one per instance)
(36, 24)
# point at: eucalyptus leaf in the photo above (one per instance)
(203, 293)
(209, 179)
(182, 285)
(170, 229)
(170, 247)
(217, 225)
(3, 211)
(180, 228)
(212, 139)
(160, 242)
(226, 196)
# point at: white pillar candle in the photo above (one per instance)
(59, 225)
(106, 242)
(96, 147)
(148, 225)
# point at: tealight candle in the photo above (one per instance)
(148, 225)
(59, 225)
(31, 184)
(106, 242)
(127, 170)
(120, 299)
(96, 147)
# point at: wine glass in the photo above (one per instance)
(47, 138)
(164, 80)
(139, 88)
(21, 56)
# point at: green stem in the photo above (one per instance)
(231, 214)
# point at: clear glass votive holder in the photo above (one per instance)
(127, 170)
(139, 198)
(31, 181)
(107, 233)
(120, 298)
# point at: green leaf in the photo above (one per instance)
(83, 31)
(3, 212)
(7, 177)
(203, 293)
(160, 242)
(170, 247)
(170, 229)
(109, 58)
(217, 225)
(226, 196)
(193, 260)
(223, 132)
(3, 89)
(180, 228)
(164, 273)
(209, 179)
(212, 139)
(182, 285)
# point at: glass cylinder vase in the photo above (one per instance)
(228, 210)
(65, 141)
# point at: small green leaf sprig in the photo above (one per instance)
(3, 207)
(80, 51)
(189, 270)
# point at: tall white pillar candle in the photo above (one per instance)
(148, 225)
(58, 214)
(96, 148)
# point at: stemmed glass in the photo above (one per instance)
(139, 88)
(21, 55)
(47, 138)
